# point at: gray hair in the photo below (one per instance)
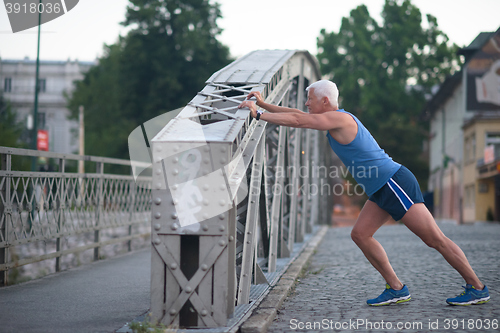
(326, 88)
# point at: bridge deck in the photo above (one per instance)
(99, 297)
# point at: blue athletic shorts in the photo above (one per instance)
(398, 194)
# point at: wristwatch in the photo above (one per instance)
(259, 112)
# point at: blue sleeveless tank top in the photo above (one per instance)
(364, 159)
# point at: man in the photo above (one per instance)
(392, 190)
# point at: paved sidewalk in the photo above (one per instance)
(339, 280)
(98, 297)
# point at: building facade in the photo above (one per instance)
(464, 128)
(56, 78)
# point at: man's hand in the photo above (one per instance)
(257, 96)
(251, 105)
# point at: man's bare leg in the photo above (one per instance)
(370, 219)
(420, 221)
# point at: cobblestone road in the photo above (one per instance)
(339, 280)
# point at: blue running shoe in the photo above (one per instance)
(391, 296)
(470, 296)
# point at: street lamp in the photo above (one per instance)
(35, 111)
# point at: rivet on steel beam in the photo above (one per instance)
(205, 227)
(223, 149)
(174, 226)
(188, 289)
(157, 241)
(157, 201)
(222, 202)
(173, 312)
(222, 187)
(175, 187)
(174, 216)
(222, 228)
(157, 226)
(158, 186)
(158, 171)
(175, 172)
(231, 238)
(176, 148)
(175, 202)
(205, 216)
(222, 217)
(175, 160)
(206, 202)
(173, 266)
(204, 267)
(206, 187)
(223, 161)
(222, 243)
(204, 312)
(157, 215)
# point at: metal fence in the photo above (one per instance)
(57, 213)
(231, 195)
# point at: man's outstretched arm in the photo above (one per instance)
(271, 107)
(321, 122)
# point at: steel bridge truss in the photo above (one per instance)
(231, 194)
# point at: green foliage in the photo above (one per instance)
(159, 66)
(148, 326)
(385, 71)
(10, 128)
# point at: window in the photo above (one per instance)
(42, 85)
(493, 138)
(473, 147)
(41, 120)
(7, 85)
(470, 149)
(470, 196)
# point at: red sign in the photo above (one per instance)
(42, 142)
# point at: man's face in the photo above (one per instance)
(314, 104)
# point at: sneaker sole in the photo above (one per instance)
(393, 301)
(474, 302)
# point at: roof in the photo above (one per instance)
(445, 91)
(452, 82)
(476, 45)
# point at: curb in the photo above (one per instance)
(265, 313)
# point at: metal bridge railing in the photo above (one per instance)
(59, 213)
(231, 195)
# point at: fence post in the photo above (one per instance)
(99, 203)
(60, 208)
(132, 195)
(5, 211)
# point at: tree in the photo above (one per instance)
(159, 66)
(10, 128)
(385, 72)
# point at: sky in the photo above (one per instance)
(248, 25)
